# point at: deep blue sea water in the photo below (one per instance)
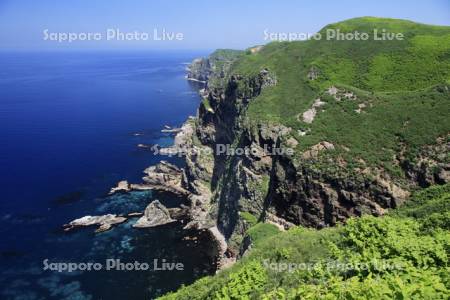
(70, 123)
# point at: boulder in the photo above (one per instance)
(155, 214)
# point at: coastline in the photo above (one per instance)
(95, 163)
(170, 179)
(195, 80)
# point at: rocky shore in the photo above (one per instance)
(285, 190)
(104, 222)
(168, 178)
(280, 189)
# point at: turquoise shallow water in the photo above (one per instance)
(68, 124)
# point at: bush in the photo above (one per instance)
(393, 257)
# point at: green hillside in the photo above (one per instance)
(404, 255)
(375, 101)
(420, 60)
(400, 87)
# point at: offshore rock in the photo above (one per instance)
(164, 177)
(122, 186)
(105, 222)
(155, 214)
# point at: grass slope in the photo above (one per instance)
(403, 255)
(403, 86)
(402, 89)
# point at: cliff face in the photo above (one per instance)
(356, 149)
(199, 69)
(316, 186)
(214, 66)
(222, 183)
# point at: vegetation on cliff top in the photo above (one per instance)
(404, 255)
(379, 100)
(401, 89)
(220, 61)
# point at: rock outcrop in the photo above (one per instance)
(215, 65)
(155, 214)
(182, 141)
(283, 189)
(122, 186)
(164, 177)
(312, 187)
(220, 249)
(104, 222)
(199, 70)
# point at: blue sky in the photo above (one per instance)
(204, 24)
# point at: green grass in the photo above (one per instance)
(404, 86)
(248, 217)
(220, 62)
(431, 206)
(391, 257)
(403, 83)
(261, 231)
(410, 119)
(206, 104)
(419, 61)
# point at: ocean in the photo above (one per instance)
(70, 124)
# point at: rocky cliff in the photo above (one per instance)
(285, 137)
(316, 186)
(215, 65)
(333, 130)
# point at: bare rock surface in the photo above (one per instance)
(104, 222)
(182, 141)
(220, 244)
(281, 223)
(122, 186)
(309, 115)
(164, 177)
(316, 149)
(155, 214)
